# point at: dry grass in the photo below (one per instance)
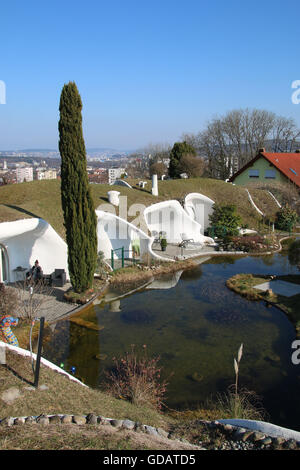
(129, 278)
(62, 396)
(265, 203)
(83, 437)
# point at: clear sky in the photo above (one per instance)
(147, 71)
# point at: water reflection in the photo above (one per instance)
(195, 324)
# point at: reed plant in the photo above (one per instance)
(137, 378)
(240, 403)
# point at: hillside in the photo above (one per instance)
(42, 198)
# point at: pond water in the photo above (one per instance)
(196, 325)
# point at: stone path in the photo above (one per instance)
(49, 304)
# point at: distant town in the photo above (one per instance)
(104, 166)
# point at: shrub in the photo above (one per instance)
(286, 218)
(163, 243)
(250, 243)
(136, 378)
(101, 268)
(224, 220)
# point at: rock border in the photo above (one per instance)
(93, 419)
(242, 438)
(235, 437)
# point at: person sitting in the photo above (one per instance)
(36, 273)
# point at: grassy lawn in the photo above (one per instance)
(57, 394)
(42, 198)
(64, 396)
(243, 284)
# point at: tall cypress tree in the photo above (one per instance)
(79, 213)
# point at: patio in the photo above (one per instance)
(48, 303)
(174, 251)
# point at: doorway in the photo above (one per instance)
(4, 272)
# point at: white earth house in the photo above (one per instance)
(199, 208)
(115, 233)
(24, 241)
(171, 218)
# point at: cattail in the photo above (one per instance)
(240, 353)
(236, 367)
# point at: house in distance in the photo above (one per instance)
(268, 166)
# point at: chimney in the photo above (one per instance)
(297, 151)
(154, 185)
(262, 150)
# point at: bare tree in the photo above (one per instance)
(230, 141)
(192, 166)
(285, 134)
(158, 168)
(33, 300)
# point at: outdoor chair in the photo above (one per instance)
(185, 240)
(154, 234)
(59, 278)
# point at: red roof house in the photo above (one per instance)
(267, 166)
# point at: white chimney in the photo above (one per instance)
(113, 197)
(154, 185)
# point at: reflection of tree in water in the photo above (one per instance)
(267, 260)
(222, 260)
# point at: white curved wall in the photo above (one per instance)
(30, 239)
(170, 217)
(114, 232)
(199, 207)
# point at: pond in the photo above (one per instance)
(196, 325)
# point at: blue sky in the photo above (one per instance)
(146, 71)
